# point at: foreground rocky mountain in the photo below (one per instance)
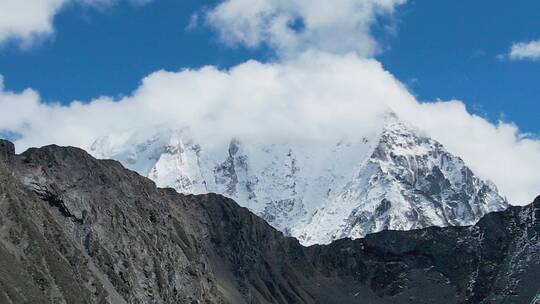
(74, 229)
(392, 177)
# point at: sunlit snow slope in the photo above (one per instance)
(391, 178)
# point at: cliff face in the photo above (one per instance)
(78, 230)
(74, 229)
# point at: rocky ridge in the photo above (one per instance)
(74, 229)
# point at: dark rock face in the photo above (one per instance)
(7, 150)
(77, 230)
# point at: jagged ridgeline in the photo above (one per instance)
(74, 229)
(318, 190)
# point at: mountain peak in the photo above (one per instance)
(393, 178)
(402, 138)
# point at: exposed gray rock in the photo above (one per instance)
(74, 229)
(7, 150)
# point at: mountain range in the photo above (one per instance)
(74, 229)
(393, 177)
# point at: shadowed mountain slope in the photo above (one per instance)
(74, 229)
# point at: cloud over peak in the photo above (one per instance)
(316, 96)
(323, 86)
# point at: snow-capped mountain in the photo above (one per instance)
(392, 178)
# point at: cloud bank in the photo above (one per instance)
(26, 21)
(323, 87)
(291, 27)
(525, 51)
(314, 96)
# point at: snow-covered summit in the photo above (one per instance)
(408, 181)
(391, 178)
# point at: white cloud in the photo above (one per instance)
(26, 21)
(293, 26)
(328, 89)
(315, 96)
(525, 51)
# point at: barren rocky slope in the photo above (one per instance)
(74, 229)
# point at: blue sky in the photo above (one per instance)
(108, 51)
(449, 49)
(439, 49)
